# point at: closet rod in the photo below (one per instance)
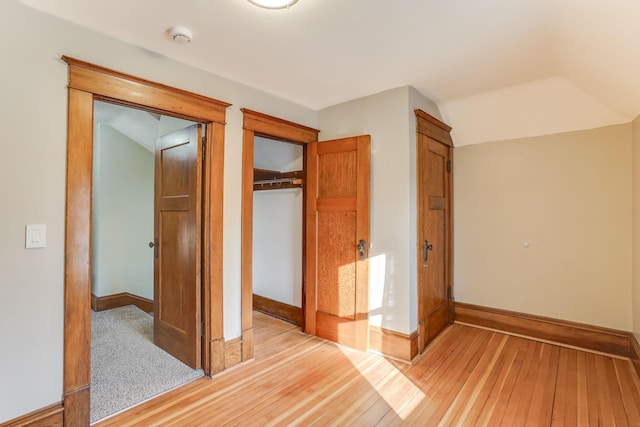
(278, 181)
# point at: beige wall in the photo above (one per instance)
(636, 227)
(568, 196)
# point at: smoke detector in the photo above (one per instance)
(180, 35)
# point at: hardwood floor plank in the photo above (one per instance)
(543, 396)
(520, 398)
(467, 376)
(448, 382)
(565, 403)
(504, 397)
(467, 397)
(614, 394)
(592, 390)
(629, 390)
(482, 409)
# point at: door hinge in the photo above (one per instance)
(448, 165)
(449, 292)
(204, 149)
(202, 328)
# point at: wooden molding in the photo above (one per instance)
(77, 260)
(278, 309)
(49, 416)
(108, 302)
(125, 89)
(428, 125)
(232, 352)
(247, 344)
(635, 353)
(212, 235)
(590, 337)
(394, 345)
(274, 127)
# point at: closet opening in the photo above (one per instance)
(273, 252)
(278, 229)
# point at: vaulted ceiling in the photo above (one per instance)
(498, 69)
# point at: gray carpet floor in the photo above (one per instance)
(126, 367)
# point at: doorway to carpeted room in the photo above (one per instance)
(127, 368)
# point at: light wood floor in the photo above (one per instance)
(468, 376)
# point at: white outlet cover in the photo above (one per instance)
(36, 236)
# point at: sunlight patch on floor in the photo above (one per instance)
(403, 405)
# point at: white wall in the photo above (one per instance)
(635, 188)
(32, 164)
(569, 196)
(277, 245)
(386, 117)
(123, 188)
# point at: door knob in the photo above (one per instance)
(362, 249)
(426, 247)
(154, 245)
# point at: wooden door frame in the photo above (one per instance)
(258, 124)
(88, 82)
(435, 129)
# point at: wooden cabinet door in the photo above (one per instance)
(177, 252)
(434, 202)
(337, 267)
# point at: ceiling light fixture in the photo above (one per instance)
(180, 35)
(274, 4)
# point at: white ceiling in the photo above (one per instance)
(322, 52)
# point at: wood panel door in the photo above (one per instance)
(337, 266)
(434, 207)
(177, 238)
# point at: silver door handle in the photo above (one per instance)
(362, 249)
(426, 247)
(154, 245)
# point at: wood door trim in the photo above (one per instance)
(274, 127)
(428, 125)
(259, 124)
(431, 127)
(363, 189)
(597, 338)
(128, 90)
(117, 87)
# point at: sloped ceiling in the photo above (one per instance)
(475, 59)
(139, 126)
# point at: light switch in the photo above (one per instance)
(36, 236)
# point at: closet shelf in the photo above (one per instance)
(264, 179)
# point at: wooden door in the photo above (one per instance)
(337, 267)
(434, 205)
(177, 238)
